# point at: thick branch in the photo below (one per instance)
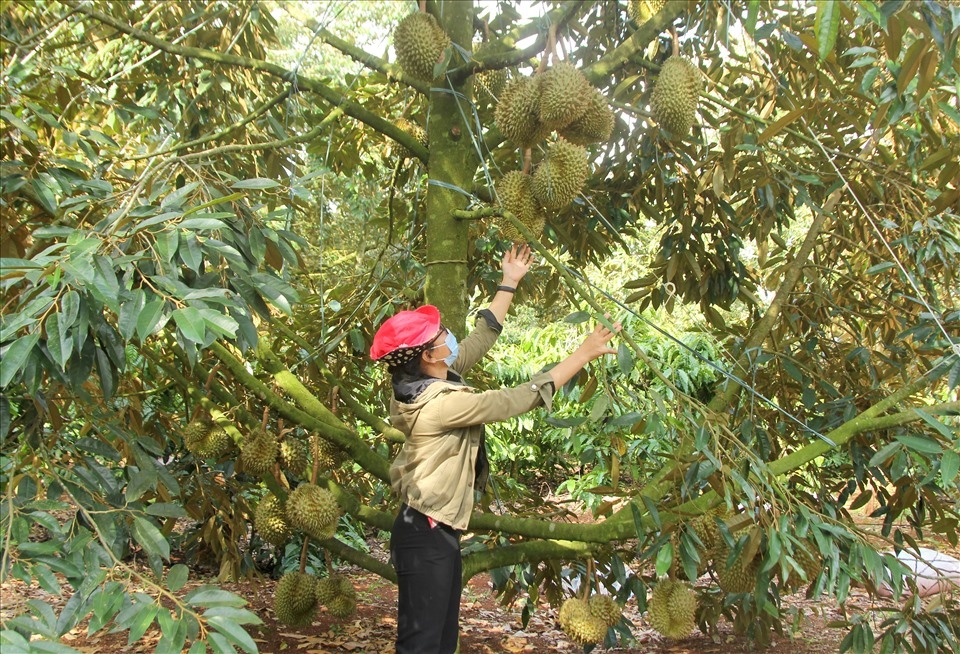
(541, 550)
(639, 40)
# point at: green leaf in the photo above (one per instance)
(884, 453)
(45, 196)
(234, 632)
(150, 318)
(19, 124)
(166, 510)
(577, 317)
(209, 596)
(59, 343)
(664, 559)
(130, 313)
(257, 182)
(219, 643)
(190, 323)
(177, 577)
(198, 647)
(141, 621)
(150, 538)
(15, 357)
(920, 444)
(240, 616)
(949, 464)
(140, 482)
(936, 424)
(827, 26)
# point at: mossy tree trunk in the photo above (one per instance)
(450, 171)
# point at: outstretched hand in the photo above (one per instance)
(596, 344)
(517, 261)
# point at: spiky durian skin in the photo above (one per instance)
(314, 511)
(419, 42)
(337, 593)
(205, 440)
(259, 451)
(564, 95)
(329, 456)
(672, 608)
(294, 455)
(518, 113)
(737, 576)
(595, 125)
(808, 558)
(270, 520)
(643, 10)
(560, 176)
(489, 84)
(295, 599)
(675, 96)
(580, 624)
(515, 191)
(606, 608)
(413, 130)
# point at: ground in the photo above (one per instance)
(486, 626)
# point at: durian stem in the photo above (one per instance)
(315, 453)
(588, 579)
(303, 553)
(266, 416)
(676, 41)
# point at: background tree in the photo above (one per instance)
(208, 208)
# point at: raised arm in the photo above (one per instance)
(516, 264)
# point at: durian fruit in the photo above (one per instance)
(294, 455)
(737, 576)
(205, 440)
(413, 130)
(672, 608)
(419, 42)
(295, 600)
(259, 451)
(640, 11)
(596, 123)
(515, 191)
(606, 608)
(518, 113)
(329, 456)
(270, 520)
(314, 511)
(564, 95)
(560, 176)
(489, 84)
(580, 624)
(808, 559)
(337, 593)
(706, 529)
(675, 96)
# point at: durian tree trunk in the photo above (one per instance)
(450, 170)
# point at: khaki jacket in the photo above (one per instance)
(435, 471)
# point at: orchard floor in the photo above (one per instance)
(486, 626)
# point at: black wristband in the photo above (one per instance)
(507, 289)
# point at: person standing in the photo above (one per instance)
(443, 461)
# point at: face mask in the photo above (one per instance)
(451, 342)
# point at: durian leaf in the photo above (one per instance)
(911, 64)
(827, 26)
(781, 123)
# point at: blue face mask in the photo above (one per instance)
(451, 342)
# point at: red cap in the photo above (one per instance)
(406, 330)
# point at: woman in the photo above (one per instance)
(443, 461)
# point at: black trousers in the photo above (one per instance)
(429, 569)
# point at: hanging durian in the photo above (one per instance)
(564, 95)
(640, 11)
(489, 84)
(419, 42)
(606, 608)
(672, 608)
(561, 175)
(294, 455)
(738, 575)
(337, 593)
(675, 96)
(259, 451)
(314, 511)
(206, 440)
(515, 192)
(596, 123)
(413, 130)
(270, 520)
(518, 113)
(295, 599)
(580, 624)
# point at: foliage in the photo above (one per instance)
(208, 207)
